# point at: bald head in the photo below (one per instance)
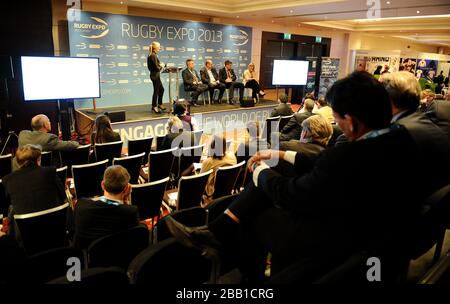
(41, 123)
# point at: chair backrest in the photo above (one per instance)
(4, 204)
(225, 179)
(191, 217)
(169, 262)
(270, 126)
(5, 165)
(78, 156)
(188, 156)
(108, 151)
(46, 158)
(87, 178)
(118, 249)
(283, 121)
(43, 230)
(97, 276)
(159, 141)
(218, 206)
(137, 146)
(438, 274)
(148, 198)
(160, 164)
(51, 264)
(191, 189)
(62, 174)
(133, 165)
(197, 137)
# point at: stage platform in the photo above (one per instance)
(141, 122)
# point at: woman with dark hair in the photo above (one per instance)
(189, 122)
(103, 131)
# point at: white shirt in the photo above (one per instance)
(211, 76)
(289, 156)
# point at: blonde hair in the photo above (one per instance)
(403, 88)
(426, 93)
(28, 154)
(174, 125)
(319, 128)
(153, 45)
(251, 64)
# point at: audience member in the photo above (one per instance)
(252, 144)
(439, 113)
(316, 132)
(282, 109)
(103, 131)
(218, 157)
(108, 214)
(293, 128)
(176, 137)
(189, 122)
(324, 109)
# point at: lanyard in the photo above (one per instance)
(376, 133)
(108, 201)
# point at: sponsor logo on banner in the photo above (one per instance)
(240, 38)
(96, 30)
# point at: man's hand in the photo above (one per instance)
(256, 159)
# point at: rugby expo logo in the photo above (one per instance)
(239, 38)
(92, 30)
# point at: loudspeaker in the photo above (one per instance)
(116, 116)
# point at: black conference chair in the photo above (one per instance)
(439, 274)
(78, 156)
(87, 178)
(218, 206)
(5, 165)
(191, 217)
(191, 189)
(118, 249)
(159, 141)
(225, 179)
(197, 137)
(51, 264)
(270, 126)
(62, 174)
(137, 146)
(243, 178)
(110, 276)
(46, 158)
(188, 156)
(43, 230)
(4, 204)
(108, 151)
(160, 164)
(169, 262)
(283, 121)
(148, 198)
(336, 133)
(133, 165)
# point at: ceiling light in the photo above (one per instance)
(237, 16)
(273, 21)
(326, 17)
(418, 12)
(406, 17)
(200, 12)
(388, 2)
(291, 11)
(121, 2)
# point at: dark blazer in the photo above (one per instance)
(308, 149)
(205, 76)
(248, 148)
(188, 79)
(283, 109)
(153, 64)
(439, 113)
(33, 189)
(184, 138)
(95, 219)
(293, 128)
(109, 137)
(223, 75)
(364, 194)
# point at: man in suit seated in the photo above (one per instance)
(210, 77)
(32, 188)
(176, 136)
(439, 113)
(111, 213)
(252, 144)
(192, 82)
(41, 126)
(293, 128)
(228, 78)
(282, 109)
(364, 195)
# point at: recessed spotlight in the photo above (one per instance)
(291, 11)
(273, 21)
(418, 12)
(200, 12)
(237, 16)
(388, 2)
(121, 2)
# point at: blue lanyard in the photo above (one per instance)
(376, 133)
(108, 201)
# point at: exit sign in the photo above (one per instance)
(287, 36)
(318, 39)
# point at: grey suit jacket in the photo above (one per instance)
(48, 141)
(293, 128)
(439, 113)
(282, 109)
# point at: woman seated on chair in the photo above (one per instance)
(103, 131)
(251, 82)
(218, 157)
(189, 122)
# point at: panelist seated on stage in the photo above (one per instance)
(251, 82)
(103, 131)
(228, 77)
(211, 78)
(192, 82)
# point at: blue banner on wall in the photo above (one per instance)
(121, 42)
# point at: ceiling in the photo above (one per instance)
(416, 20)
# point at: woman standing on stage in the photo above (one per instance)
(155, 67)
(251, 82)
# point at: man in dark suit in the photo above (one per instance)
(228, 78)
(283, 109)
(439, 113)
(111, 213)
(364, 195)
(210, 77)
(293, 128)
(192, 82)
